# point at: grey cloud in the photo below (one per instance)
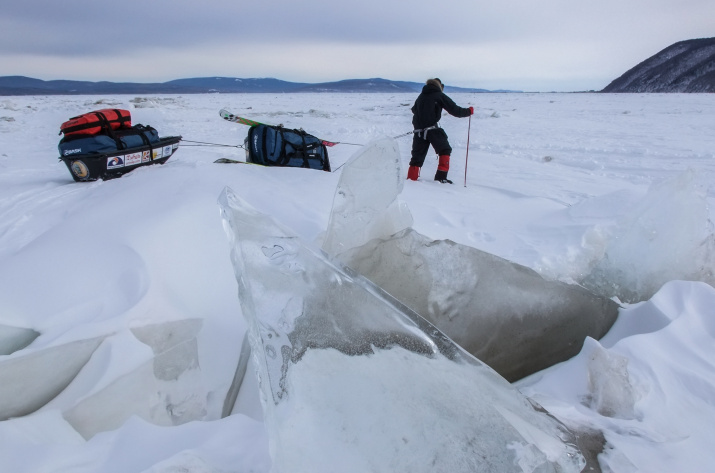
(480, 41)
(74, 27)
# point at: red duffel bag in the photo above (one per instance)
(99, 121)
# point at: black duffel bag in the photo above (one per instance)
(277, 146)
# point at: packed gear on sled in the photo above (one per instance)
(270, 145)
(92, 123)
(103, 144)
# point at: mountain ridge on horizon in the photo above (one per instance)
(22, 85)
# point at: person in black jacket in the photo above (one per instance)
(427, 111)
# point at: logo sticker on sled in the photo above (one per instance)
(132, 159)
(72, 151)
(146, 156)
(79, 169)
(167, 151)
(115, 162)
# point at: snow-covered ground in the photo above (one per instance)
(117, 277)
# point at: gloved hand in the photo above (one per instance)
(471, 109)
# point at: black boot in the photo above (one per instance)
(441, 176)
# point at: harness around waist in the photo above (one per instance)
(422, 133)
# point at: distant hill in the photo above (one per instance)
(686, 66)
(20, 85)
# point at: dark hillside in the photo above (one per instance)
(686, 66)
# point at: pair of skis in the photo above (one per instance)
(231, 117)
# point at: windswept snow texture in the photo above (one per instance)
(157, 379)
(165, 387)
(352, 381)
(614, 385)
(15, 338)
(28, 381)
(686, 66)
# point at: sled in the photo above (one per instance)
(113, 164)
(103, 144)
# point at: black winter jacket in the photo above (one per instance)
(428, 107)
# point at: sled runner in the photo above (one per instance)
(104, 145)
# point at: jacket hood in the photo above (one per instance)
(435, 83)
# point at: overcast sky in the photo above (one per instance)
(536, 45)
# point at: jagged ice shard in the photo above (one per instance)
(365, 205)
(353, 381)
(505, 314)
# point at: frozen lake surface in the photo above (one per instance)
(610, 191)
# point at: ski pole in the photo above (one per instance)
(466, 159)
